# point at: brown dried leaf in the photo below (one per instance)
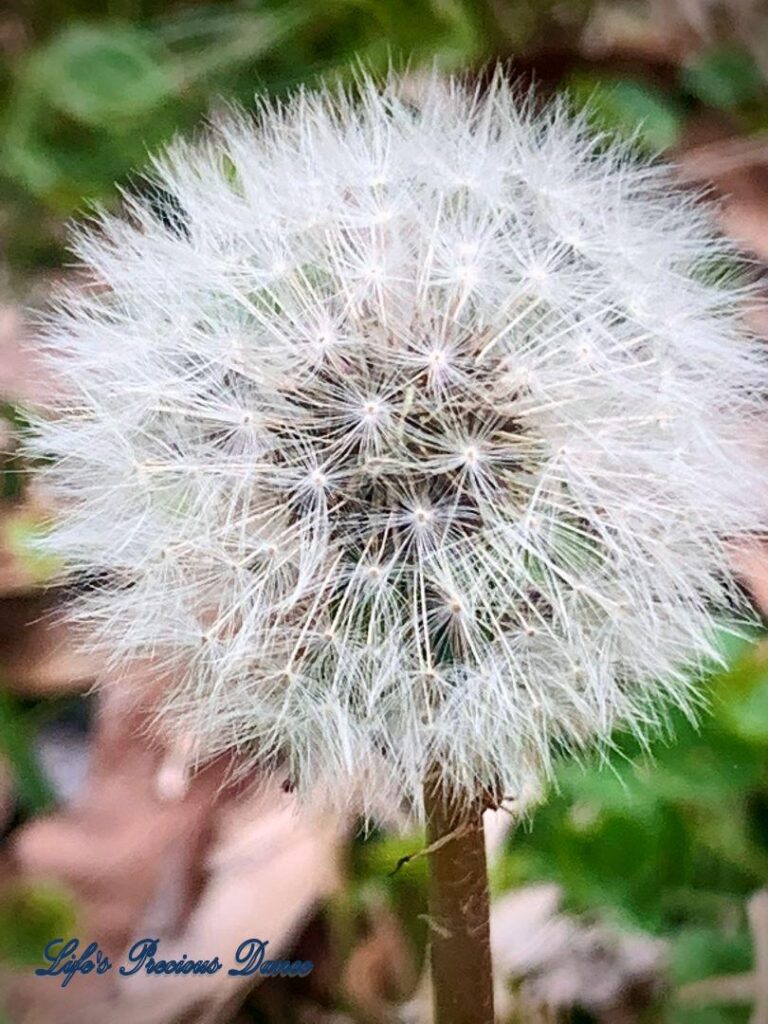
(381, 969)
(202, 873)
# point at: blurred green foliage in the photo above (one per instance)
(30, 917)
(18, 728)
(375, 868)
(628, 108)
(94, 88)
(725, 77)
(93, 95)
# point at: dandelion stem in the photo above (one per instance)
(459, 912)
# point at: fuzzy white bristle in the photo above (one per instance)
(411, 435)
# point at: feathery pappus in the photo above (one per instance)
(409, 431)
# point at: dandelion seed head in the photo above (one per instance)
(420, 443)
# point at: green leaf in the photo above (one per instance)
(697, 953)
(30, 916)
(630, 109)
(742, 696)
(725, 77)
(96, 74)
(17, 744)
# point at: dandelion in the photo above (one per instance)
(410, 447)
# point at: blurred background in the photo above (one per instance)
(639, 890)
